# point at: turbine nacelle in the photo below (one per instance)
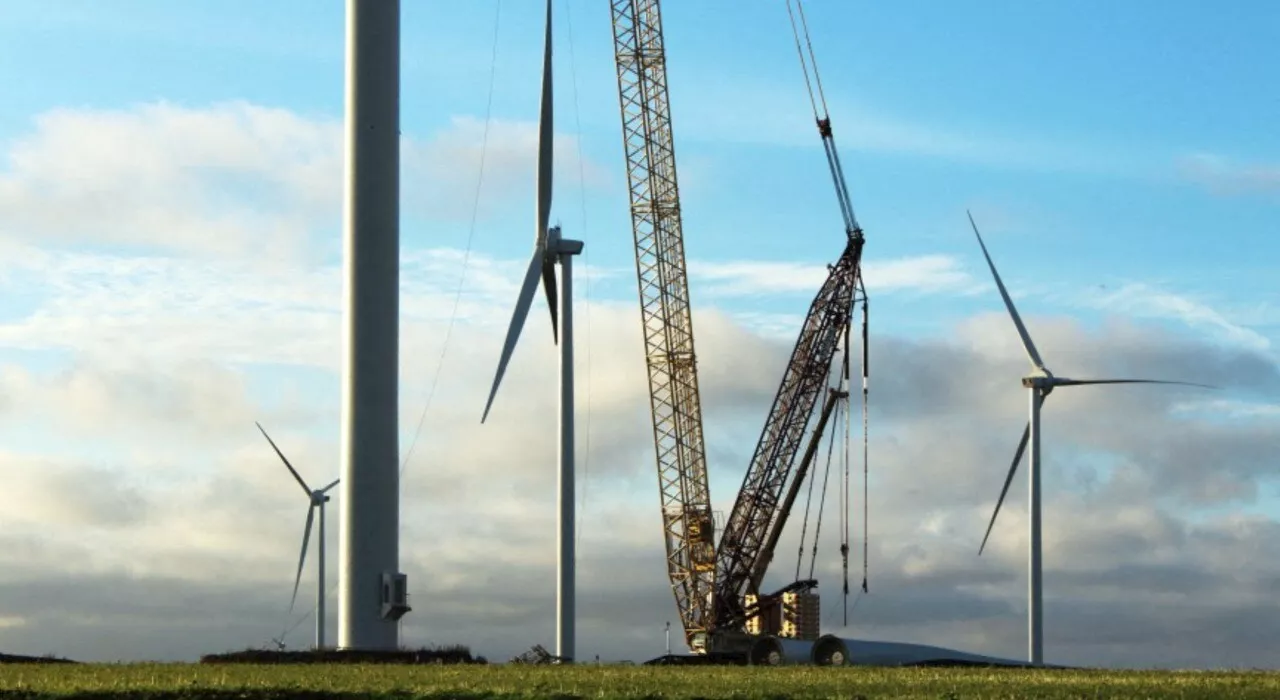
(558, 245)
(553, 245)
(1043, 380)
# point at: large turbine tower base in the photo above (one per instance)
(371, 593)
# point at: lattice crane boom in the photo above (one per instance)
(746, 546)
(709, 581)
(665, 312)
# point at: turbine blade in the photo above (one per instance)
(326, 489)
(1081, 382)
(1029, 346)
(302, 558)
(549, 290)
(1017, 457)
(517, 324)
(546, 148)
(305, 489)
(545, 139)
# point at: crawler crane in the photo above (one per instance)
(716, 586)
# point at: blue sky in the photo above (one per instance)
(168, 201)
(1081, 144)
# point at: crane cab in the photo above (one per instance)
(701, 535)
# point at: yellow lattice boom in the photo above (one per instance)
(664, 307)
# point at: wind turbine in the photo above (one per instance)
(1039, 383)
(549, 248)
(316, 500)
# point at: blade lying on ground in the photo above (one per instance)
(1004, 293)
(306, 489)
(1017, 457)
(302, 558)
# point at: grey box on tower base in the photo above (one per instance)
(395, 595)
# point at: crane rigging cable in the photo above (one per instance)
(822, 498)
(804, 523)
(866, 442)
(586, 263)
(841, 407)
(844, 492)
(822, 116)
(466, 256)
(805, 63)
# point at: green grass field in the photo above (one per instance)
(236, 681)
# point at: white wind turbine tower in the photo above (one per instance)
(1040, 382)
(548, 249)
(316, 500)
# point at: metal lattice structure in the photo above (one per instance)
(711, 581)
(664, 306)
(743, 549)
(746, 545)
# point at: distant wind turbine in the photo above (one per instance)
(316, 500)
(1040, 382)
(549, 248)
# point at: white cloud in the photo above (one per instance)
(115, 395)
(112, 546)
(48, 493)
(773, 115)
(238, 178)
(232, 177)
(927, 273)
(757, 277)
(944, 415)
(1230, 409)
(448, 166)
(1223, 176)
(1145, 301)
(923, 274)
(239, 310)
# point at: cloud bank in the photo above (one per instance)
(145, 518)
